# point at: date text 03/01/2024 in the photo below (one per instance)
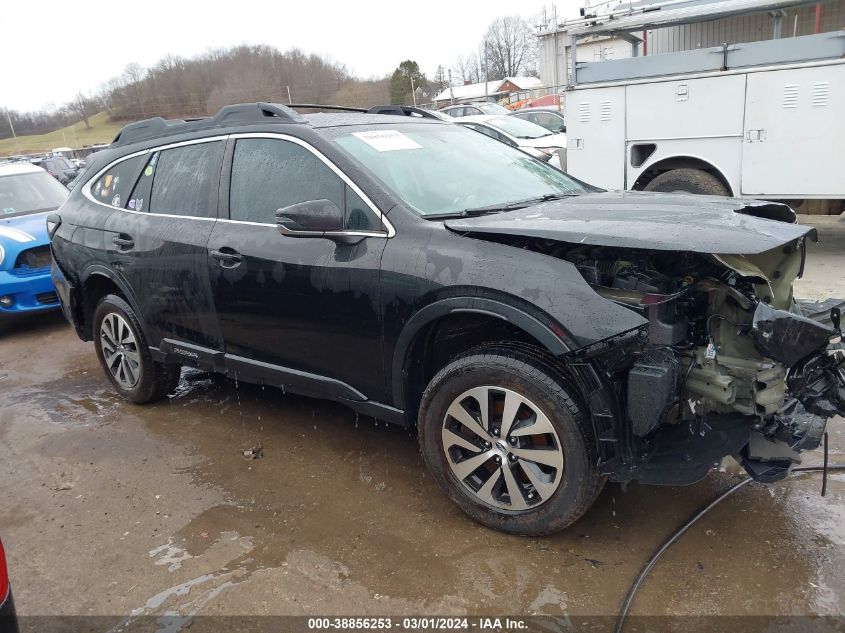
(417, 623)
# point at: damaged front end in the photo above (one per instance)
(725, 361)
(726, 365)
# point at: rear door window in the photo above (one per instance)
(180, 181)
(113, 185)
(270, 174)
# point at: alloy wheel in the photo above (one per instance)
(502, 448)
(120, 350)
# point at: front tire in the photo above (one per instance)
(125, 356)
(505, 440)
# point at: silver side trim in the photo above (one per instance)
(86, 188)
(391, 231)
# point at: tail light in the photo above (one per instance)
(4, 576)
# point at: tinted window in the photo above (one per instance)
(180, 181)
(114, 185)
(269, 174)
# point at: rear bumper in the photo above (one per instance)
(67, 294)
(29, 293)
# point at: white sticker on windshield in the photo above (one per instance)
(387, 140)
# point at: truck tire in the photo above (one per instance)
(689, 181)
(125, 356)
(525, 462)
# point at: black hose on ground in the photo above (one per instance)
(629, 597)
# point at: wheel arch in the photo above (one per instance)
(681, 161)
(416, 358)
(97, 282)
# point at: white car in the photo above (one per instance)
(527, 136)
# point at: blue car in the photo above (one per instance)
(27, 195)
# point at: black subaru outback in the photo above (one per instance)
(542, 335)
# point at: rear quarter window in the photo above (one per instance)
(113, 186)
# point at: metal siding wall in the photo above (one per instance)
(546, 64)
(745, 28)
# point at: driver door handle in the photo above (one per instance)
(228, 257)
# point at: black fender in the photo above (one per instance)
(99, 270)
(526, 322)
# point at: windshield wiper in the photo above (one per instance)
(496, 208)
(519, 204)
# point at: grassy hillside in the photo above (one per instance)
(102, 131)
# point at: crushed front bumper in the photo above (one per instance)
(812, 347)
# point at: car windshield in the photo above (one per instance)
(439, 169)
(518, 128)
(30, 193)
(492, 108)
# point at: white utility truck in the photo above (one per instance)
(763, 119)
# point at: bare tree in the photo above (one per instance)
(440, 82)
(83, 107)
(466, 70)
(511, 48)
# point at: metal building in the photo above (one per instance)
(684, 25)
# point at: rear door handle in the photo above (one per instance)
(124, 241)
(228, 257)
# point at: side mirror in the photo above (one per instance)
(313, 218)
(561, 129)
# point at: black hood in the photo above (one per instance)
(656, 221)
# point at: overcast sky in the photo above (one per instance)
(50, 50)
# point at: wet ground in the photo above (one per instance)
(114, 509)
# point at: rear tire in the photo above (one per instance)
(509, 490)
(125, 356)
(689, 181)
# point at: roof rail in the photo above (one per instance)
(148, 127)
(247, 113)
(228, 115)
(319, 106)
(402, 110)
(254, 112)
(399, 110)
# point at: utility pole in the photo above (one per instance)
(451, 92)
(555, 51)
(484, 59)
(413, 91)
(12, 127)
(289, 99)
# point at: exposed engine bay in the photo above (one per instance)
(727, 353)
